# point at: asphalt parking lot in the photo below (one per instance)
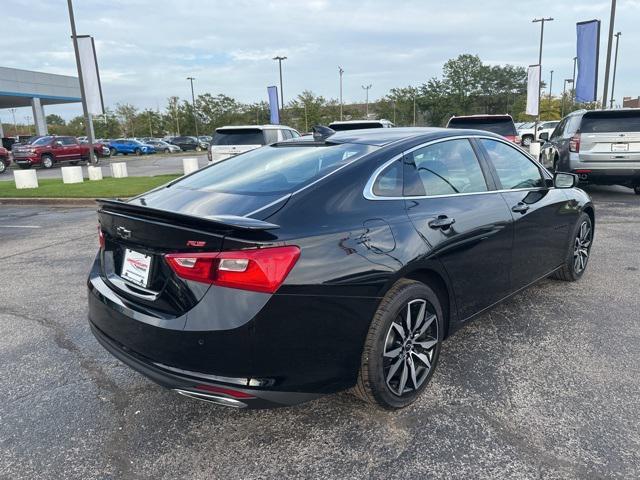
(544, 386)
(147, 165)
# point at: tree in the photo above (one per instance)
(397, 106)
(126, 114)
(57, 120)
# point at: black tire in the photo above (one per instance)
(137, 151)
(47, 161)
(3, 167)
(375, 368)
(636, 189)
(569, 272)
(113, 152)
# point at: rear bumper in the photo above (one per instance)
(607, 172)
(282, 350)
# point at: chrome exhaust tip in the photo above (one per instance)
(211, 398)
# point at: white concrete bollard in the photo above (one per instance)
(25, 178)
(72, 175)
(534, 149)
(190, 165)
(119, 170)
(95, 173)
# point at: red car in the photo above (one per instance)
(501, 124)
(4, 159)
(50, 150)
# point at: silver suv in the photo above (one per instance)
(600, 146)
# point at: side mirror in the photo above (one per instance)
(565, 180)
(544, 136)
(57, 143)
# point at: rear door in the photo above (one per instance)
(610, 136)
(464, 223)
(541, 214)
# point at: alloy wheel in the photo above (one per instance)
(581, 248)
(410, 347)
(2, 166)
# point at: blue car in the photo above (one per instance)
(126, 146)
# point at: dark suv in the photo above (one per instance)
(190, 143)
(601, 146)
(500, 124)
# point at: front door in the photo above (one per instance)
(541, 214)
(464, 224)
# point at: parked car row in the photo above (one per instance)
(49, 150)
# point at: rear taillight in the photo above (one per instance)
(574, 143)
(100, 237)
(259, 270)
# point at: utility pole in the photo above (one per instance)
(280, 59)
(541, 21)
(612, 21)
(414, 109)
(85, 108)
(366, 89)
(573, 82)
(340, 72)
(193, 104)
(564, 93)
(615, 67)
(550, 87)
(150, 127)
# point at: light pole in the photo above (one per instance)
(340, 72)
(414, 109)
(85, 108)
(280, 59)
(612, 21)
(615, 66)
(366, 89)
(573, 81)
(193, 104)
(541, 21)
(564, 93)
(550, 87)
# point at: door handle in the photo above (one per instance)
(520, 208)
(442, 221)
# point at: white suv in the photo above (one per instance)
(233, 140)
(526, 132)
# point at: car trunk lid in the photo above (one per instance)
(610, 136)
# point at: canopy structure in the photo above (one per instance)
(23, 88)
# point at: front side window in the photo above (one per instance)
(443, 168)
(515, 170)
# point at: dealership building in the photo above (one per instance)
(24, 88)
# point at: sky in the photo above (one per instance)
(146, 49)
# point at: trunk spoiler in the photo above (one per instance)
(218, 222)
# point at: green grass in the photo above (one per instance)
(108, 187)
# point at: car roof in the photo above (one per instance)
(351, 122)
(385, 136)
(252, 127)
(483, 115)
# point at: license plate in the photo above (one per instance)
(619, 147)
(136, 267)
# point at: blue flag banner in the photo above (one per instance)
(588, 50)
(273, 105)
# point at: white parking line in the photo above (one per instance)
(20, 226)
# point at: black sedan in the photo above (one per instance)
(301, 269)
(190, 143)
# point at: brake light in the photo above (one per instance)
(574, 143)
(100, 238)
(259, 269)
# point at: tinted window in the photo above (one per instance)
(68, 141)
(557, 132)
(443, 168)
(515, 169)
(42, 141)
(286, 134)
(501, 126)
(274, 170)
(294, 134)
(241, 136)
(611, 121)
(389, 182)
(573, 124)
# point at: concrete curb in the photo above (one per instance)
(49, 202)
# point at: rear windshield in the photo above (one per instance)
(354, 126)
(500, 126)
(274, 169)
(241, 136)
(613, 121)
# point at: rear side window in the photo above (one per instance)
(443, 168)
(501, 126)
(515, 170)
(389, 182)
(611, 121)
(274, 169)
(67, 141)
(240, 136)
